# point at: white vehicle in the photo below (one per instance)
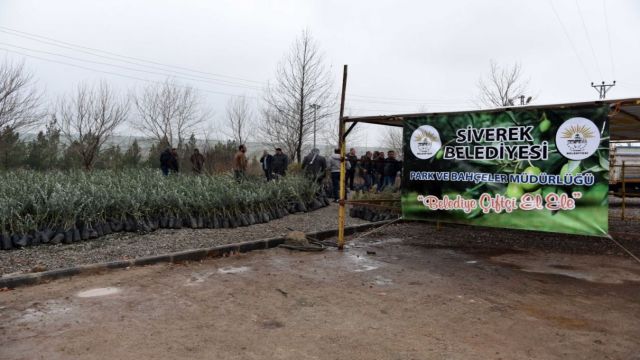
(629, 155)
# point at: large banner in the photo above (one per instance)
(544, 170)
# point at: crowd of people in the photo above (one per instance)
(374, 170)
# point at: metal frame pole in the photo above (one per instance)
(624, 191)
(341, 143)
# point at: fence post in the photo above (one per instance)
(624, 191)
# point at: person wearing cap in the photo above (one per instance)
(315, 166)
(279, 163)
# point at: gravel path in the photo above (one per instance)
(130, 245)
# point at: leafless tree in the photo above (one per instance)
(393, 139)
(20, 106)
(169, 112)
(504, 86)
(301, 80)
(89, 118)
(240, 119)
(279, 130)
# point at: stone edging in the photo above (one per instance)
(176, 257)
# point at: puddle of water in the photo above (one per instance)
(363, 263)
(472, 262)
(234, 270)
(591, 268)
(98, 292)
(48, 310)
(381, 281)
(383, 241)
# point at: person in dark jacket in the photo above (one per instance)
(391, 168)
(366, 170)
(165, 159)
(265, 163)
(315, 166)
(197, 161)
(173, 161)
(352, 158)
(279, 163)
(379, 166)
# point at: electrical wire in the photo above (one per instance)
(211, 81)
(586, 32)
(606, 23)
(36, 37)
(118, 74)
(127, 59)
(566, 34)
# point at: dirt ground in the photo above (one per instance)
(382, 298)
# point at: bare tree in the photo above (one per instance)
(169, 112)
(240, 119)
(280, 130)
(503, 86)
(393, 139)
(19, 100)
(301, 80)
(89, 117)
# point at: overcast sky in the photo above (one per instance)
(403, 56)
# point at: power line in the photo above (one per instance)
(566, 34)
(122, 58)
(128, 62)
(606, 23)
(35, 37)
(586, 32)
(117, 74)
(191, 78)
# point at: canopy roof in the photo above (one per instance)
(624, 125)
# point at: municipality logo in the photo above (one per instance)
(577, 138)
(425, 142)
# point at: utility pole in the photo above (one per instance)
(315, 108)
(603, 88)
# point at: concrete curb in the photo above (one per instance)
(176, 257)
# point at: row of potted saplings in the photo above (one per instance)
(219, 219)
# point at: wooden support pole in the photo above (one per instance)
(341, 143)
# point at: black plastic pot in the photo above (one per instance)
(47, 235)
(68, 236)
(5, 242)
(226, 223)
(164, 222)
(56, 239)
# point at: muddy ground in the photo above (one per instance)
(386, 297)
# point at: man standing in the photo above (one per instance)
(165, 160)
(240, 163)
(279, 163)
(266, 164)
(391, 168)
(314, 166)
(353, 162)
(379, 165)
(173, 161)
(197, 161)
(334, 168)
(366, 170)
